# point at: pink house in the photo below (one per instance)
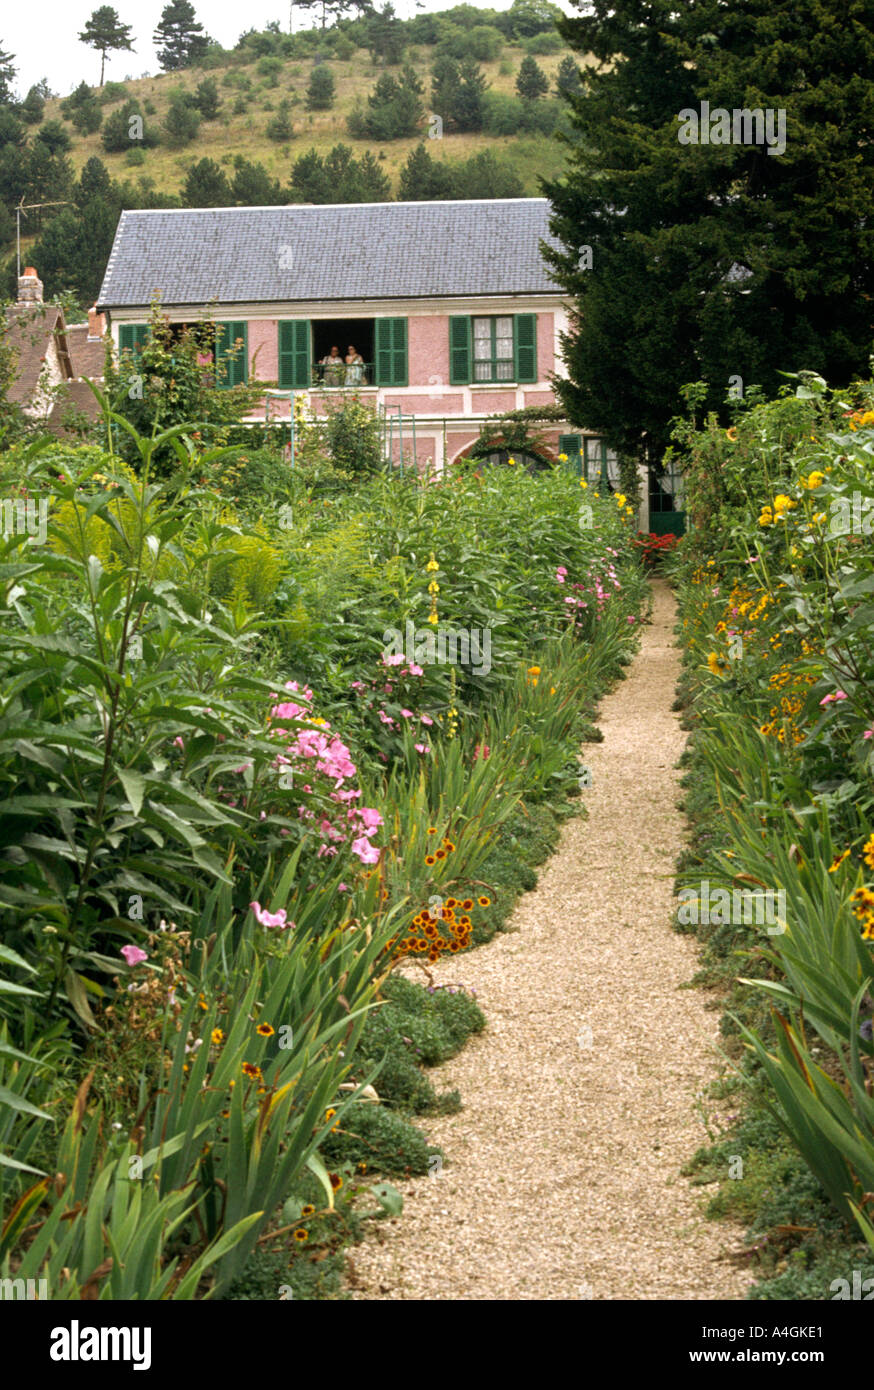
(441, 313)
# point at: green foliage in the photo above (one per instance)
(280, 127)
(531, 81)
(709, 259)
(321, 89)
(182, 121)
(394, 109)
(207, 99)
(179, 38)
(353, 437)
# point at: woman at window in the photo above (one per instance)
(333, 365)
(354, 368)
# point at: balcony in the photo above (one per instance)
(328, 376)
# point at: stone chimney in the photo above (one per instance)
(96, 324)
(29, 287)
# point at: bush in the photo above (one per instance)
(181, 123)
(112, 92)
(549, 42)
(279, 127)
(271, 69)
(353, 438)
(87, 118)
(135, 157)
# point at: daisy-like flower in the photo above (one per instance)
(252, 1071)
(336, 1181)
(265, 1030)
(717, 664)
(217, 1037)
(868, 852)
(484, 901)
(301, 1235)
(308, 1209)
(838, 861)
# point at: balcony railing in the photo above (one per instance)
(329, 375)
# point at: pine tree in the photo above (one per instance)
(181, 122)
(7, 76)
(320, 89)
(691, 261)
(531, 81)
(206, 186)
(423, 178)
(252, 186)
(466, 113)
(105, 32)
(33, 107)
(567, 78)
(280, 127)
(181, 35)
(207, 99)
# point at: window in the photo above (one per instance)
(232, 348)
(493, 349)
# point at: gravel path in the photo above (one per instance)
(561, 1178)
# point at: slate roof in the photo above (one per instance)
(328, 252)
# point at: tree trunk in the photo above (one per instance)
(102, 64)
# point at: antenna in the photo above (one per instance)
(22, 210)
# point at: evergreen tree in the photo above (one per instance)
(7, 77)
(531, 81)
(385, 36)
(467, 109)
(54, 137)
(181, 35)
(321, 89)
(484, 176)
(125, 128)
(252, 186)
(181, 122)
(372, 184)
(206, 186)
(394, 109)
(207, 99)
(424, 179)
(691, 261)
(567, 78)
(309, 179)
(105, 32)
(87, 117)
(33, 107)
(280, 128)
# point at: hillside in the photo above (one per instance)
(244, 133)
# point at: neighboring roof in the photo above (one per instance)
(87, 354)
(74, 399)
(29, 330)
(328, 252)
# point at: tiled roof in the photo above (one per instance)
(87, 354)
(348, 251)
(29, 331)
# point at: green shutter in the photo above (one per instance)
(294, 354)
(525, 344)
(227, 334)
(132, 337)
(391, 352)
(459, 350)
(571, 444)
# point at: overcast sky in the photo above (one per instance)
(42, 34)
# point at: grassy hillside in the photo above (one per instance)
(231, 134)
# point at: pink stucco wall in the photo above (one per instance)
(546, 363)
(438, 402)
(428, 350)
(263, 349)
(490, 402)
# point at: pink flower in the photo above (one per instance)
(134, 955)
(427, 720)
(177, 742)
(358, 685)
(342, 887)
(386, 718)
(407, 713)
(841, 695)
(393, 660)
(869, 733)
(630, 618)
(838, 695)
(367, 853)
(370, 817)
(270, 919)
(416, 670)
(560, 574)
(421, 748)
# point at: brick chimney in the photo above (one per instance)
(30, 287)
(96, 324)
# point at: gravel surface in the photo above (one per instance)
(581, 1099)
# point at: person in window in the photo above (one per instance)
(333, 365)
(354, 367)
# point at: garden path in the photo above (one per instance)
(580, 1100)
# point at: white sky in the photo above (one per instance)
(42, 35)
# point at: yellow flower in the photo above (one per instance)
(432, 618)
(534, 670)
(562, 458)
(217, 1037)
(717, 664)
(432, 563)
(782, 503)
(868, 852)
(512, 462)
(838, 861)
(731, 434)
(766, 519)
(815, 480)
(583, 483)
(620, 499)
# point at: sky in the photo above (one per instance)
(42, 35)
